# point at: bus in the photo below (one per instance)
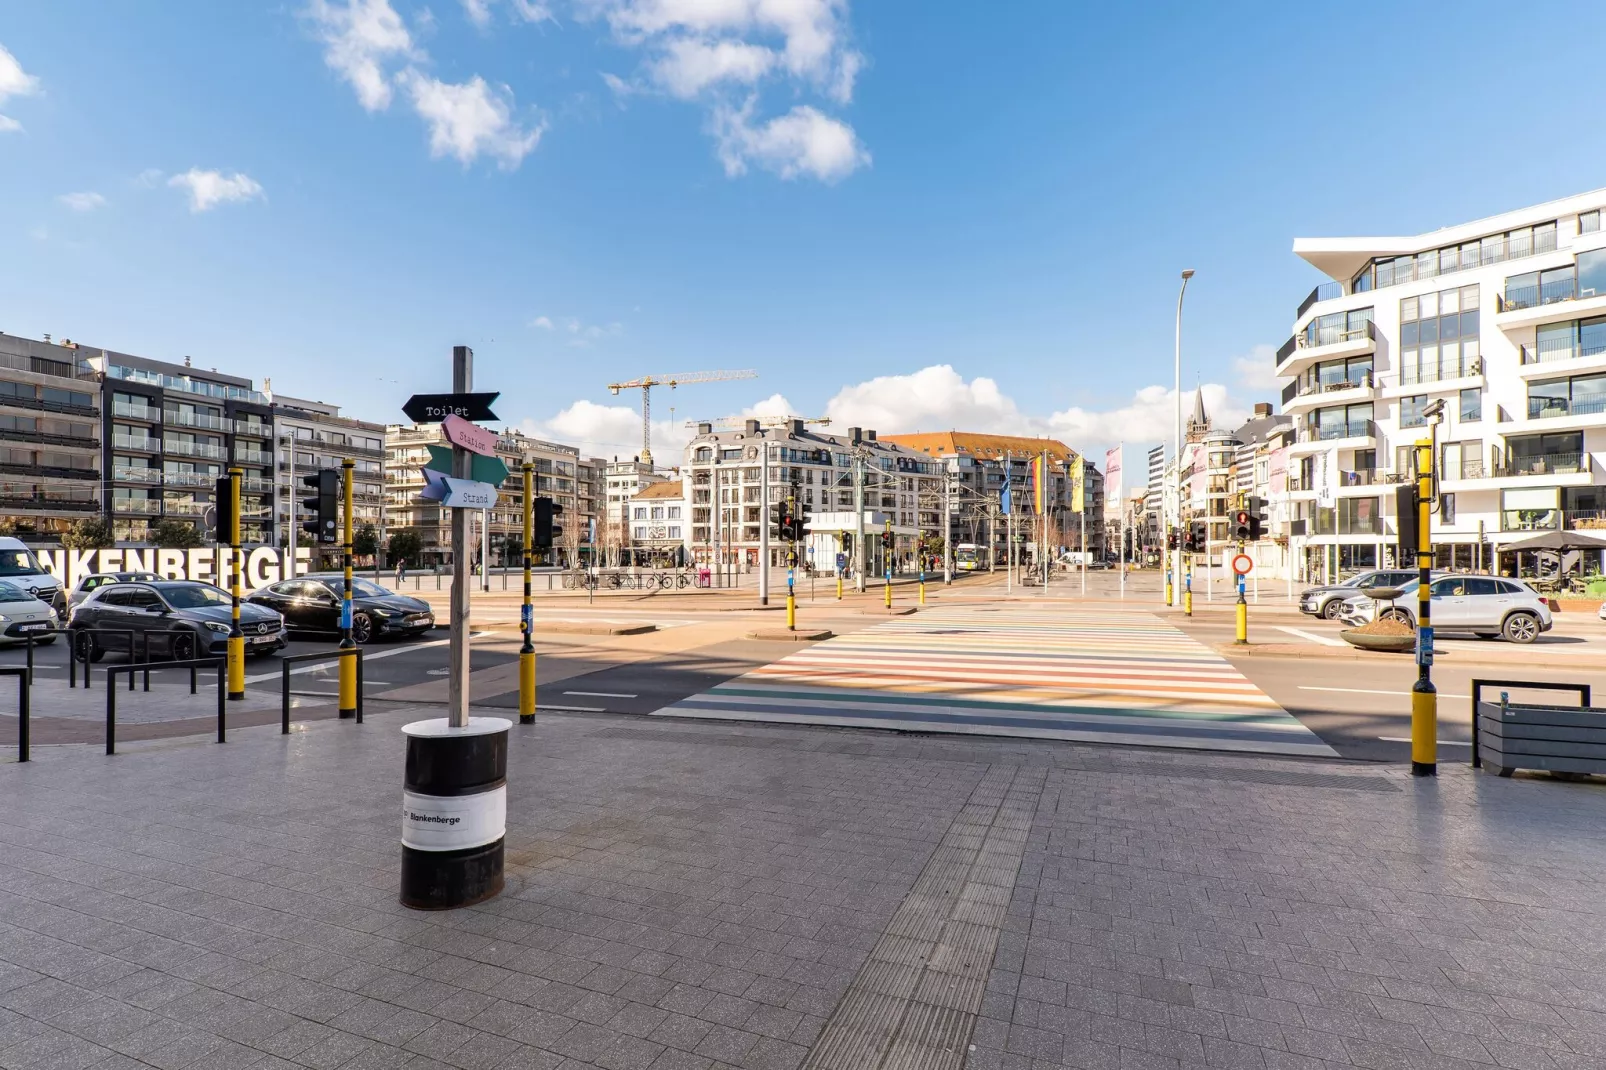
(967, 557)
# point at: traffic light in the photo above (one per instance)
(1171, 539)
(1242, 525)
(322, 509)
(546, 532)
(886, 541)
(223, 511)
(789, 522)
(800, 522)
(778, 520)
(847, 542)
(1258, 521)
(1405, 511)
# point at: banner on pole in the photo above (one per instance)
(1112, 480)
(1079, 484)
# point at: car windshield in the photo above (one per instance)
(10, 592)
(19, 563)
(197, 597)
(360, 588)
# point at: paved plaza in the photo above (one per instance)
(689, 895)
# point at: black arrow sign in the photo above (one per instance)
(433, 408)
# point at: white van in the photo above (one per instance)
(20, 567)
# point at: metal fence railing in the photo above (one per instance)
(24, 675)
(220, 664)
(287, 660)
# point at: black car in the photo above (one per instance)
(179, 618)
(312, 604)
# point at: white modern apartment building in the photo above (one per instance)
(1503, 320)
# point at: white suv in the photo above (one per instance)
(1485, 606)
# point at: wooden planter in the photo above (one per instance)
(1507, 736)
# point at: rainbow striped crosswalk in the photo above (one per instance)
(1076, 674)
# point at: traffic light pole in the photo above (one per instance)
(1187, 580)
(764, 530)
(526, 613)
(348, 666)
(860, 558)
(791, 560)
(886, 549)
(236, 657)
(1424, 697)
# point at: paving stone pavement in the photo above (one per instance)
(688, 896)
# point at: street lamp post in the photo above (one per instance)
(1176, 442)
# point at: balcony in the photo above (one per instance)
(136, 506)
(1369, 477)
(183, 508)
(1546, 360)
(1580, 404)
(149, 413)
(243, 455)
(1542, 464)
(127, 473)
(1301, 351)
(180, 448)
(188, 479)
(253, 429)
(1303, 395)
(137, 444)
(1553, 520)
(1328, 523)
(1549, 302)
(206, 422)
(10, 500)
(1355, 434)
(1325, 292)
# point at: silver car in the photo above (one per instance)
(22, 615)
(96, 580)
(1485, 606)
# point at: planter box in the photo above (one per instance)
(1556, 739)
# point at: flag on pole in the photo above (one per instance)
(1005, 505)
(1112, 479)
(1078, 484)
(1040, 483)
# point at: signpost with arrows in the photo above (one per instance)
(454, 802)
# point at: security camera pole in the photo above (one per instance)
(1424, 697)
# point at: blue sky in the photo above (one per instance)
(911, 215)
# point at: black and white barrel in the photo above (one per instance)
(454, 812)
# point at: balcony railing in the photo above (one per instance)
(1578, 405)
(136, 506)
(180, 418)
(1349, 429)
(1460, 368)
(181, 508)
(188, 479)
(1368, 477)
(1325, 292)
(1328, 523)
(1488, 252)
(127, 473)
(1542, 464)
(1552, 519)
(1547, 293)
(193, 449)
(1546, 353)
(136, 412)
(1307, 388)
(247, 456)
(1332, 336)
(253, 428)
(132, 442)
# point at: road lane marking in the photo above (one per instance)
(366, 657)
(1442, 742)
(1369, 691)
(599, 694)
(1312, 636)
(573, 709)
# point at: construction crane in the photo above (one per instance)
(647, 382)
(732, 422)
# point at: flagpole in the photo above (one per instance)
(1043, 482)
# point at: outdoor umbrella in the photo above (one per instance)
(1559, 541)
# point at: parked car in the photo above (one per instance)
(312, 604)
(18, 565)
(99, 579)
(1485, 606)
(1324, 601)
(184, 619)
(22, 614)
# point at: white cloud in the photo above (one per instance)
(82, 202)
(469, 119)
(690, 65)
(611, 431)
(1258, 370)
(532, 10)
(707, 49)
(543, 322)
(14, 82)
(360, 37)
(801, 142)
(936, 398)
(208, 189)
(478, 12)
(149, 178)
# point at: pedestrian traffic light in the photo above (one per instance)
(546, 532)
(886, 541)
(1258, 520)
(847, 542)
(778, 521)
(223, 511)
(1198, 538)
(1241, 526)
(1171, 539)
(1407, 517)
(789, 522)
(322, 509)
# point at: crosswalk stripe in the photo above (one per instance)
(1075, 674)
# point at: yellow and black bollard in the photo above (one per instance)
(1424, 697)
(1241, 610)
(348, 665)
(236, 645)
(1187, 588)
(526, 613)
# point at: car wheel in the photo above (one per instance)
(362, 628)
(1521, 628)
(1397, 614)
(1331, 610)
(182, 648)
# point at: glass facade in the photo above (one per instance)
(1439, 335)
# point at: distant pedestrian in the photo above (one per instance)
(401, 573)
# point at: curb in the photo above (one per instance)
(777, 636)
(1298, 651)
(560, 628)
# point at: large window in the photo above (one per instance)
(1494, 249)
(1439, 335)
(1545, 454)
(1592, 273)
(1337, 327)
(1471, 405)
(1563, 341)
(1342, 421)
(1577, 395)
(1412, 411)
(1530, 509)
(1589, 222)
(1585, 279)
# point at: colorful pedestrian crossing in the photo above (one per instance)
(1093, 675)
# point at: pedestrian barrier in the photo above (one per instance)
(1582, 690)
(287, 660)
(24, 675)
(221, 664)
(81, 646)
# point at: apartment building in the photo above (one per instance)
(313, 435)
(556, 469)
(50, 438)
(622, 481)
(724, 477)
(1503, 320)
(977, 465)
(169, 431)
(658, 524)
